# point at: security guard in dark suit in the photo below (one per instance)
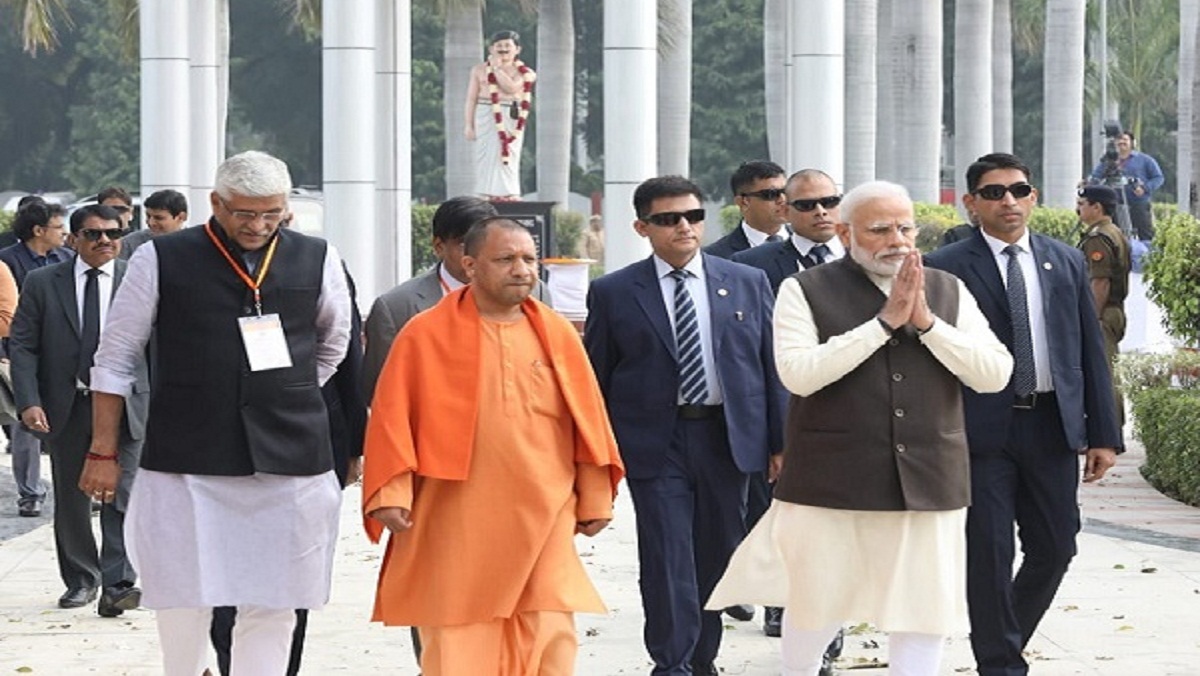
(1109, 261)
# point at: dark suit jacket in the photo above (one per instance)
(779, 260)
(1082, 384)
(44, 348)
(20, 260)
(343, 395)
(632, 348)
(391, 311)
(730, 244)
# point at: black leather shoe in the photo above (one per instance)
(741, 613)
(77, 597)
(33, 510)
(773, 621)
(116, 600)
(705, 670)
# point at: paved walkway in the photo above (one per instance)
(1129, 606)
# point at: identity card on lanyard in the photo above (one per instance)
(262, 335)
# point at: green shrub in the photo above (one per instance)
(1138, 371)
(1061, 224)
(423, 257)
(730, 217)
(568, 228)
(934, 220)
(6, 218)
(1173, 274)
(1163, 210)
(1168, 423)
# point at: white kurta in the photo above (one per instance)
(903, 570)
(200, 541)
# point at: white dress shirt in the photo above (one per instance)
(105, 282)
(804, 245)
(697, 286)
(1033, 299)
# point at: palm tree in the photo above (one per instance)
(862, 20)
(973, 88)
(775, 77)
(917, 30)
(461, 51)
(37, 20)
(885, 104)
(1062, 91)
(556, 99)
(1002, 76)
(1189, 21)
(674, 87)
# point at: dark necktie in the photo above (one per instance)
(1024, 372)
(692, 386)
(774, 238)
(816, 255)
(89, 335)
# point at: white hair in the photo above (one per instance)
(253, 174)
(869, 192)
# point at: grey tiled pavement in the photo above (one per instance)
(1129, 606)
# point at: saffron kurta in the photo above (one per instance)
(497, 489)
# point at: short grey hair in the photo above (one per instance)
(869, 192)
(253, 174)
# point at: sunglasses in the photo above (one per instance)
(766, 194)
(120, 208)
(995, 191)
(808, 205)
(94, 235)
(671, 218)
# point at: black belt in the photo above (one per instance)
(1027, 402)
(700, 411)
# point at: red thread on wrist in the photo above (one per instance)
(100, 456)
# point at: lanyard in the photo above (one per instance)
(254, 284)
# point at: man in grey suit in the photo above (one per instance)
(393, 309)
(54, 337)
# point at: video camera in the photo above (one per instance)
(1112, 175)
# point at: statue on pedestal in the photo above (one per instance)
(499, 99)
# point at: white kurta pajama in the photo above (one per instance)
(903, 571)
(200, 541)
(493, 176)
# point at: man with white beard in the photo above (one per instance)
(868, 515)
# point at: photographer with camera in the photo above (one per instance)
(1139, 175)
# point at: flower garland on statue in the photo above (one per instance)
(523, 106)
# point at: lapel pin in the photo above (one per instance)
(1048, 265)
(722, 292)
(738, 315)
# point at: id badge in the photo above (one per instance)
(266, 346)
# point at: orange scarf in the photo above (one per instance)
(423, 415)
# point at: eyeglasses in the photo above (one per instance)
(671, 218)
(808, 205)
(994, 191)
(906, 229)
(271, 217)
(94, 234)
(766, 194)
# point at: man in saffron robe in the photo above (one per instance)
(487, 449)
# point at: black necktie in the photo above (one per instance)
(89, 335)
(819, 253)
(1024, 372)
(774, 238)
(692, 386)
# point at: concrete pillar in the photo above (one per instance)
(165, 107)
(816, 48)
(206, 139)
(348, 117)
(393, 189)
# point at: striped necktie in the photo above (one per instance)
(1024, 372)
(692, 387)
